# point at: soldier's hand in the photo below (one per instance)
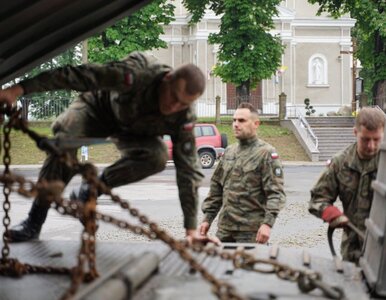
(193, 236)
(204, 228)
(334, 217)
(9, 95)
(263, 234)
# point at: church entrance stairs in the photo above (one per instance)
(334, 134)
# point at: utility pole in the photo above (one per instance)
(354, 73)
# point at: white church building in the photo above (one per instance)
(316, 62)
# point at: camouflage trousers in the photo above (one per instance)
(226, 236)
(351, 246)
(140, 156)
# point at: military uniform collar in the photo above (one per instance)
(248, 142)
(361, 165)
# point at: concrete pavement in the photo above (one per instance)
(171, 165)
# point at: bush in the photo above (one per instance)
(309, 108)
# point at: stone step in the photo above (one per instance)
(333, 146)
(331, 124)
(331, 121)
(332, 152)
(332, 133)
(335, 143)
(341, 140)
(332, 140)
(333, 129)
(335, 139)
(332, 149)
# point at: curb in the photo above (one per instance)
(304, 163)
(170, 165)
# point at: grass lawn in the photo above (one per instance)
(281, 138)
(24, 150)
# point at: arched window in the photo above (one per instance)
(317, 70)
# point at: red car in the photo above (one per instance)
(210, 144)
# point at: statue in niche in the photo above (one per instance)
(317, 71)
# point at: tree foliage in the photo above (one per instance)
(140, 31)
(248, 53)
(370, 31)
(198, 7)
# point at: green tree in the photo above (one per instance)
(248, 53)
(140, 31)
(370, 32)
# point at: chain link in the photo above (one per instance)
(307, 280)
(6, 191)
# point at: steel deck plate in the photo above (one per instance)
(111, 257)
(175, 280)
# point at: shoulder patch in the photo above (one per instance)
(274, 155)
(278, 172)
(188, 126)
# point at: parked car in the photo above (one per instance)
(210, 144)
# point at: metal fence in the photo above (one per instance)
(207, 107)
(43, 109)
(49, 109)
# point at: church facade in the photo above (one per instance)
(316, 63)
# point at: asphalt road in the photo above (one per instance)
(157, 197)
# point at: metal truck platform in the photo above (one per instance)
(144, 271)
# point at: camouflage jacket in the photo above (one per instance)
(124, 95)
(348, 177)
(247, 186)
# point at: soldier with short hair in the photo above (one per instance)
(135, 101)
(349, 175)
(247, 185)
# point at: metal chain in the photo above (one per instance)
(12, 267)
(307, 280)
(222, 289)
(6, 191)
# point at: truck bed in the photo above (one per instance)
(150, 270)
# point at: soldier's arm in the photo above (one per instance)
(188, 172)
(325, 191)
(213, 202)
(273, 185)
(119, 76)
(9, 95)
(113, 76)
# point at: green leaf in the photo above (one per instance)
(141, 31)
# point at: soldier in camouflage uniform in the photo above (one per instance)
(247, 185)
(134, 101)
(349, 175)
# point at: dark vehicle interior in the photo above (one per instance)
(33, 31)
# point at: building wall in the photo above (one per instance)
(309, 40)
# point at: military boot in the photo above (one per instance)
(82, 194)
(30, 228)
